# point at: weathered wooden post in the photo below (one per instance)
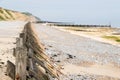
(10, 70)
(21, 59)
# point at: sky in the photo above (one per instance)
(75, 11)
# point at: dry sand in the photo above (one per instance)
(8, 33)
(95, 69)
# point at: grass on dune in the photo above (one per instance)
(89, 29)
(115, 38)
(1, 18)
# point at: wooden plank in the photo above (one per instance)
(21, 35)
(39, 76)
(10, 70)
(45, 66)
(21, 58)
(30, 52)
(14, 52)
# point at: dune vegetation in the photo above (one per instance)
(115, 38)
(6, 15)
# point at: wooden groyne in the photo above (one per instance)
(32, 63)
(75, 25)
(68, 24)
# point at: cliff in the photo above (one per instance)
(9, 15)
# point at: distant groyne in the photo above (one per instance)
(65, 24)
(75, 25)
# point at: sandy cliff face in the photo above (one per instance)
(7, 15)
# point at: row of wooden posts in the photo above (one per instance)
(31, 61)
(75, 25)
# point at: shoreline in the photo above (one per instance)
(96, 38)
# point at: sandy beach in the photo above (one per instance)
(81, 57)
(8, 33)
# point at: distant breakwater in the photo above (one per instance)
(70, 24)
(74, 25)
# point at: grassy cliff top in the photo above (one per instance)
(6, 15)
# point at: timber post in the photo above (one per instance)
(21, 59)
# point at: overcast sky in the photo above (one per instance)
(77, 11)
